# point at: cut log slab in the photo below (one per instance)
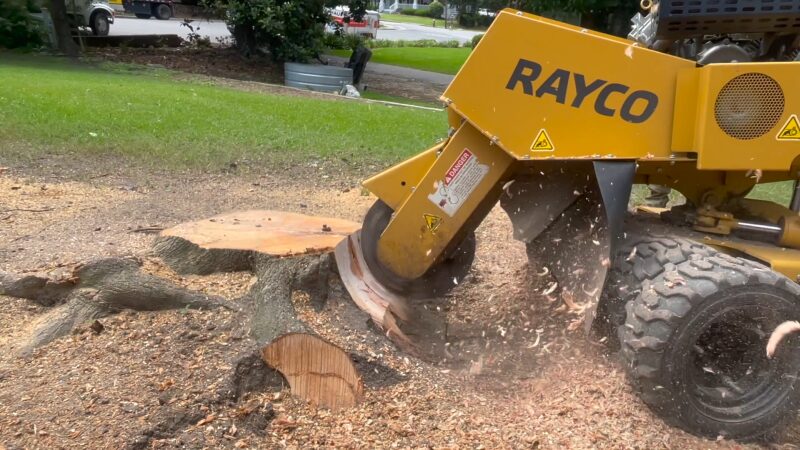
(316, 370)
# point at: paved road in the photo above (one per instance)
(124, 26)
(216, 29)
(411, 32)
(440, 79)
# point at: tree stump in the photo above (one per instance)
(287, 252)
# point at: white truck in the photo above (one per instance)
(367, 27)
(93, 14)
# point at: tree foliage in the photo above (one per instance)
(290, 30)
(435, 9)
(596, 14)
(17, 27)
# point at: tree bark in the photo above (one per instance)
(66, 45)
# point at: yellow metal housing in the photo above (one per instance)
(581, 91)
(536, 89)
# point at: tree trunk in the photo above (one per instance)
(58, 11)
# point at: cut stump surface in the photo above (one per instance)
(275, 233)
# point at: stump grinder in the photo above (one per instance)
(557, 123)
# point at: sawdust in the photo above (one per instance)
(513, 375)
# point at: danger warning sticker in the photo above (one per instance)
(459, 181)
(542, 143)
(432, 222)
(790, 131)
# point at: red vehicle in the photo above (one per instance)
(367, 27)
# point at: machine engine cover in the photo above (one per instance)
(680, 19)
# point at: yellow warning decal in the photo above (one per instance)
(432, 222)
(790, 131)
(542, 143)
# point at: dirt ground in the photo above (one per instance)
(513, 376)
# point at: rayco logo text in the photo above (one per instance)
(610, 99)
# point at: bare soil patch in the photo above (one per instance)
(513, 372)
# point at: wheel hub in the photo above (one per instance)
(730, 366)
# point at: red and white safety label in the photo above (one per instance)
(459, 181)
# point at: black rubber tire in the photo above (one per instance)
(637, 258)
(437, 281)
(162, 11)
(100, 24)
(692, 331)
(143, 16)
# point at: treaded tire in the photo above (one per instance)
(694, 342)
(100, 23)
(162, 11)
(630, 268)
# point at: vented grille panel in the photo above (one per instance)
(749, 105)
(678, 19)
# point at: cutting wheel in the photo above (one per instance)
(443, 276)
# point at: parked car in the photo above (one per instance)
(93, 14)
(144, 9)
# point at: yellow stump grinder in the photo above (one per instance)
(557, 123)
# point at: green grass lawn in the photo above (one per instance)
(372, 95)
(49, 105)
(419, 20)
(411, 19)
(434, 59)
(780, 192)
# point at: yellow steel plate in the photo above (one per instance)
(760, 101)
(549, 90)
(782, 260)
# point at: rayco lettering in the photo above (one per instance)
(610, 99)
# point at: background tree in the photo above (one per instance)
(290, 30)
(17, 27)
(58, 11)
(435, 9)
(610, 16)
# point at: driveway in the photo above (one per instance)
(124, 26)
(411, 32)
(216, 29)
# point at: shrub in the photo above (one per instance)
(475, 40)
(435, 9)
(473, 20)
(17, 28)
(414, 12)
(291, 30)
(343, 41)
